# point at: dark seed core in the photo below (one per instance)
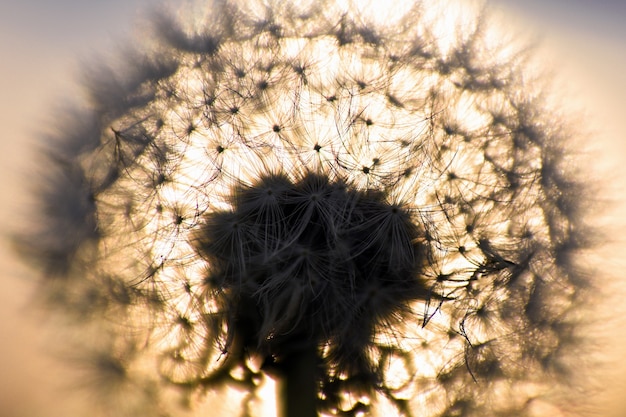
(311, 257)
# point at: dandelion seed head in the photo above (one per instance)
(395, 195)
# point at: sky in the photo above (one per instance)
(43, 44)
(586, 41)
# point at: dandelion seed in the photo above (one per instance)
(379, 212)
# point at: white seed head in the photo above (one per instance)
(271, 176)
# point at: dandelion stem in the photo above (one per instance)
(297, 395)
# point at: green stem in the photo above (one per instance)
(297, 396)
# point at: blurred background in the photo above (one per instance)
(43, 44)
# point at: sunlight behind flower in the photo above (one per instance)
(320, 139)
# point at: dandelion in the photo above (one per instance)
(381, 216)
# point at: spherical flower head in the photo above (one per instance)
(276, 178)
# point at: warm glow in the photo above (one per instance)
(470, 236)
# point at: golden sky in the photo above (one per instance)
(42, 44)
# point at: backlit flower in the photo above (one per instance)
(274, 180)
